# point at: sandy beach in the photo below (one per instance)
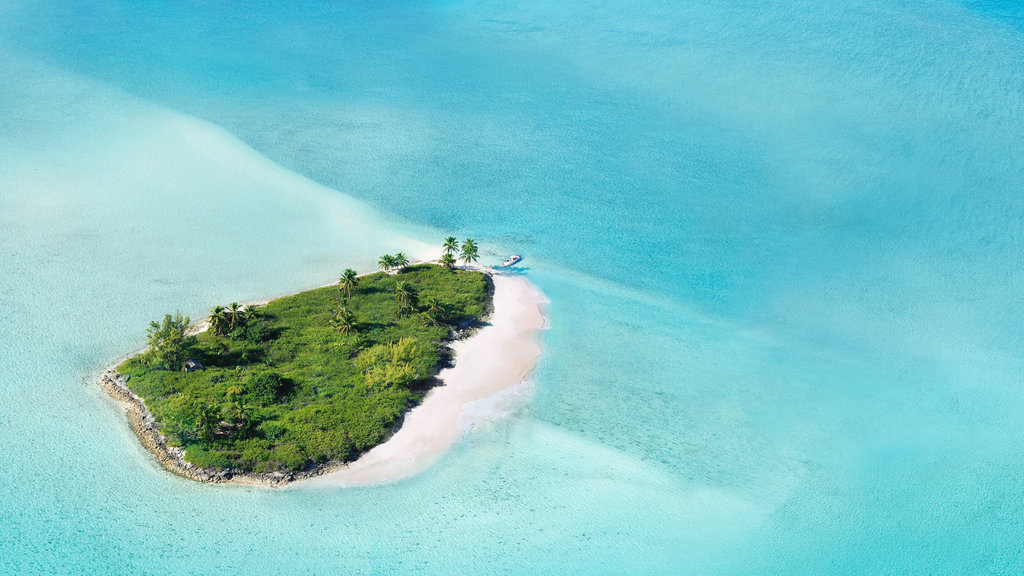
(493, 361)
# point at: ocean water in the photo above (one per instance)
(783, 245)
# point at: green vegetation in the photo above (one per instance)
(451, 245)
(401, 262)
(169, 342)
(348, 281)
(320, 376)
(390, 262)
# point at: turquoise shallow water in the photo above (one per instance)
(782, 245)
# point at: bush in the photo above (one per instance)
(254, 452)
(253, 332)
(290, 457)
(264, 387)
(272, 429)
(169, 341)
(206, 458)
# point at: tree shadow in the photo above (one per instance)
(372, 290)
(229, 358)
(372, 325)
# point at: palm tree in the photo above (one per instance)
(348, 281)
(218, 320)
(401, 262)
(386, 262)
(448, 261)
(344, 321)
(234, 315)
(451, 245)
(251, 311)
(209, 421)
(405, 293)
(436, 311)
(237, 406)
(469, 251)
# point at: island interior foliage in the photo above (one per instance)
(315, 377)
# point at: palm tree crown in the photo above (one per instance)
(250, 313)
(234, 315)
(344, 321)
(469, 251)
(348, 281)
(451, 245)
(436, 312)
(406, 293)
(448, 261)
(401, 261)
(386, 262)
(235, 395)
(209, 421)
(218, 320)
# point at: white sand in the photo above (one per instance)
(494, 360)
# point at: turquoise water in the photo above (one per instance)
(782, 244)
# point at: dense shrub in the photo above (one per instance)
(253, 332)
(203, 458)
(272, 429)
(264, 386)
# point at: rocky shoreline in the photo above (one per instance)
(172, 458)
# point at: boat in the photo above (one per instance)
(511, 260)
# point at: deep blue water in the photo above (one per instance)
(782, 243)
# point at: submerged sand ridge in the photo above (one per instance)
(495, 360)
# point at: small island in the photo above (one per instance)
(307, 382)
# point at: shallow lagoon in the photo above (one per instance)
(782, 247)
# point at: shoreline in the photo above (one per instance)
(388, 460)
(172, 458)
(494, 360)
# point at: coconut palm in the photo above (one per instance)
(209, 421)
(448, 261)
(237, 413)
(406, 294)
(386, 262)
(234, 316)
(451, 245)
(344, 321)
(436, 311)
(348, 281)
(218, 320)
(250, 313)
(469, 251)
(401, 262)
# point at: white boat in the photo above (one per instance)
(511, 260)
